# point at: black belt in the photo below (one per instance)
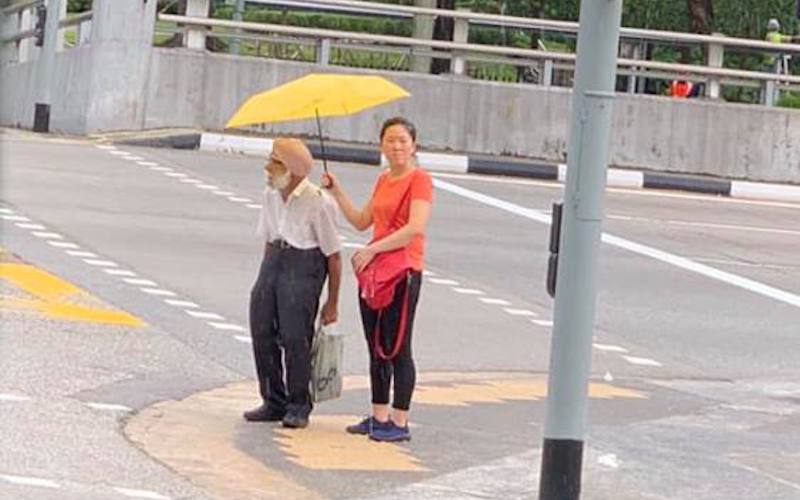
(280, 244)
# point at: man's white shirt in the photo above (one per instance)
(306, 220)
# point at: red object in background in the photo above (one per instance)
(681, 88)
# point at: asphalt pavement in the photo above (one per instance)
(131, 382)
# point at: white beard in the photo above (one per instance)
(280, 183)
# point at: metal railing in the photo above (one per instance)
(25, 29)
(459, 52)
(15, 8)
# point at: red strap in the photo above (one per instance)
(396, 223)
(401, 330)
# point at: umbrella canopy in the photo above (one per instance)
(317, 95)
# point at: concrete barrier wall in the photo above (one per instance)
(688, 136)
(186, 88)
(68, 106)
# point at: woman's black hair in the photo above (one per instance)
(399, 120)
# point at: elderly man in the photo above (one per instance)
(298, 222)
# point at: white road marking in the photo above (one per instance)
(541, 322)
(243, 339)
(109, 407)
(14, 398)
(609, 348)
(133, 158)
(63, 244)
(696, 267)
(82, 253)
(6, 211)
(207, 186)
(119, 152)
(427, 273)
(609, 460)
(25, 225)
(254, 205)
(147, 163)
(141, 494)
(177, 175)
(181, 303)
(441, 281)
(710, 225)
(224, 193)
(192, 181)
(227, 326)
(641, 361)
(740, 263)
(140, 281)
(204, 315)
(620, 217)
(666, 257)
(775, 478)
(236, 199)
(49, 236)
(119, 272)
(467, 291)
(30, 481)
(520, 312)
(100, 263)
(159, 292)
(494, 302)
(608, 377)
(20, 218)
(106, 147)
(161, 169)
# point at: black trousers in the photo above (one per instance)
(401, 368)
(283, 309)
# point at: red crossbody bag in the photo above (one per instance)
(379, 279)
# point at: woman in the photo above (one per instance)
(399, 211)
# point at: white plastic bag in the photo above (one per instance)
(327, 350)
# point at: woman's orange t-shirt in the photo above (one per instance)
(386, 197)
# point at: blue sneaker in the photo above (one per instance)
(364, 427)
(390, 432)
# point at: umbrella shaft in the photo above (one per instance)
(322, 143)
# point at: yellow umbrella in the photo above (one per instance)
(316, 95)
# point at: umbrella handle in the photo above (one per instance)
(321, 142)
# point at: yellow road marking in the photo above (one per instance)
(58, 298)
(497, 391)
(201, 436)
(325, 446)
(198, 437)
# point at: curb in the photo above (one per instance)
(489, 165)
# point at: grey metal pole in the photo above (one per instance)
(238, 15)
(570, 358)
(45, 68)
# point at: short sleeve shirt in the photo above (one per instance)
(388, 194)
(306, 220)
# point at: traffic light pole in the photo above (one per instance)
(571, 347)
(45, 68)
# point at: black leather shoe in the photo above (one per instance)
(295, 421)
(264, 414)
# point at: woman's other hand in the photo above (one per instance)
(362, 258)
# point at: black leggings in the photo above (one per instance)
(402, 366)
